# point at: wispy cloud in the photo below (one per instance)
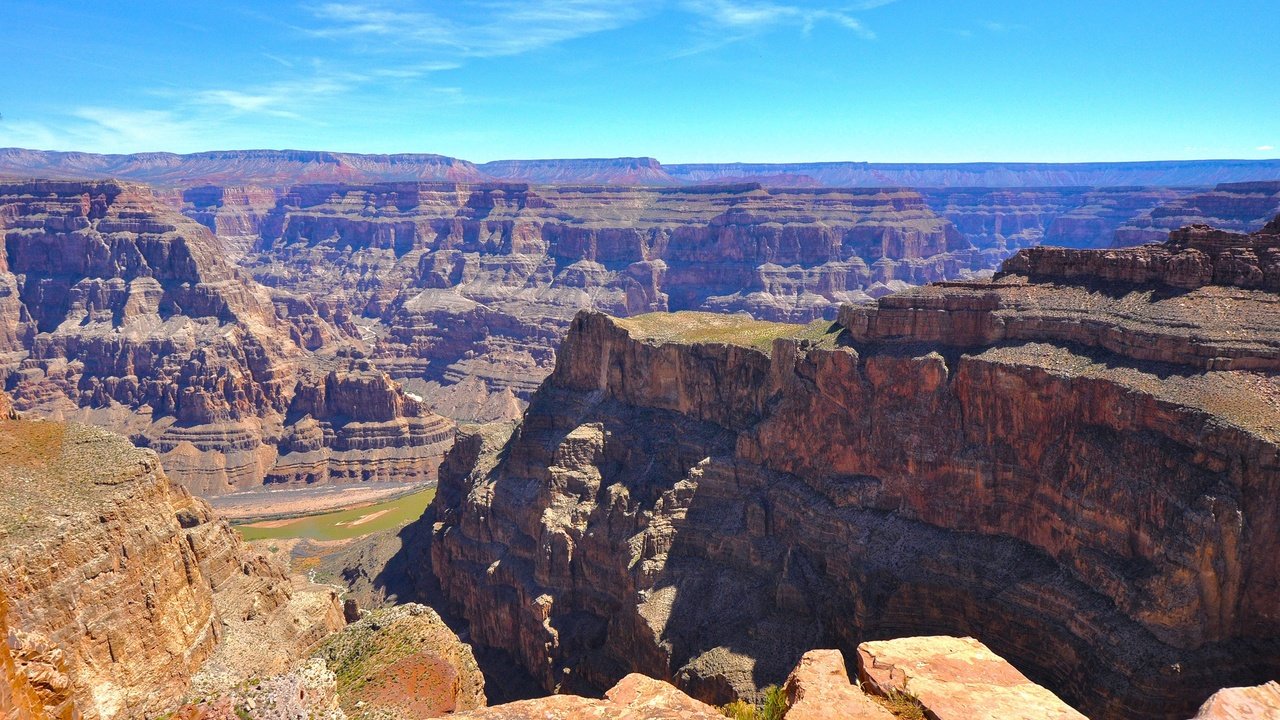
(481, 29)
(755, 15)
(987, 26)
(184, 120)
(1265, 148)
(117, 130)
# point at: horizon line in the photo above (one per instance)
(646, 157)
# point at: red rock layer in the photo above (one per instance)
(117, 310)
(1080, 469)
(1001, 221)
(235, 214)
(478, 282)
(1237, 206)
(113, 576)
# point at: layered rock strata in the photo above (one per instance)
(357, 425)
(1001, 221)
(235, 214)
(1239, 207)
(116, 310)
(466, 284)
(117, 585)
(1076, 462)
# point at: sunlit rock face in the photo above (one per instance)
(464, 291)
(1238, 207)
(1001, 221)
(116, 585)
(1075, 462)
(117, 310)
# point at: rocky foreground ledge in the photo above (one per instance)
(1077, 462)
(119, 590)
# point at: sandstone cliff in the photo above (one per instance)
(462, 285)
(118, 311)
(1001, 221)
(1239, 207)
(117, 585)
(1076, 462)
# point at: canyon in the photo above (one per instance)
(476, 284)
(1075, 461)
(448, 284)
(117, 586)
(1072, 459)
(119, 311)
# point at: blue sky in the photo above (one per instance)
(681, 80)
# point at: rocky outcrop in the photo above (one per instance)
(1262, 701)
(235, 214)
(1237, 206)
(819, 689)
(117, 585)
(1194, 257)
(635, 697)
(1079, 469)
(402, 662)
(477, 283)
(121, 312)
(308, 692)
(956, 679)
(357, 425)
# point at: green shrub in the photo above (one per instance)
(775, 703)
(739, 710)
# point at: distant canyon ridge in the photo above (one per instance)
(288, 317)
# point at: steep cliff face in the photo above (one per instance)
(1239, 207)
(116, 310)
(477, 283)
(1001, 221)
(1078, 466)
(235, 214)
(116, 583)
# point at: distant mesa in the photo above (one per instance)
(288, 167)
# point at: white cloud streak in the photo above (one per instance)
(757, 15)
(484, 29)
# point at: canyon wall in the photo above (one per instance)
(117, 310)
(1077, 462)
(1002, 221)
(465, 290)
(1239, 207)
(117, 585)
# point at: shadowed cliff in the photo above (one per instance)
(1076, 463)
